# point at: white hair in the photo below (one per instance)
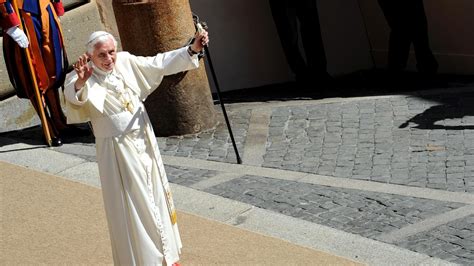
(99, 37)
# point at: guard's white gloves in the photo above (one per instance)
(18, 36)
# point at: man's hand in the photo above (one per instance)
(18, 36)
(83, 70)
(200, 40)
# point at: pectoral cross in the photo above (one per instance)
(129, 106)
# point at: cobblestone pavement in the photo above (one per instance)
(388, 148)
(398, 140)
(360, 212)
(453, 241)
(413, 141)
(213, 145)
(187, 177)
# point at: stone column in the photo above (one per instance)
(182, 104)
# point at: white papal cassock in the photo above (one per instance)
(137, 199)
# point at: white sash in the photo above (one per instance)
(117, 124)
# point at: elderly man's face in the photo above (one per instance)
(104, 55)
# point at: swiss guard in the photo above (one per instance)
(36, 60)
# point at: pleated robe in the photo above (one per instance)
(138, 204)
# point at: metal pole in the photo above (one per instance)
(213, 72)
(209, 61)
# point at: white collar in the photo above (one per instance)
(101, 74)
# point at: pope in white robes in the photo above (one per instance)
(107, 89)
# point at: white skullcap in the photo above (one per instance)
(99, 37)
(97, 34)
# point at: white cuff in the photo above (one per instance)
(18, 36)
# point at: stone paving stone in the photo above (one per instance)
(212, 145)
(453, 242)
(425, 152)
(366, 213)
(187, 176)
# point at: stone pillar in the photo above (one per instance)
(182, 104)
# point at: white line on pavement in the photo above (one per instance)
(427, 224)
(255, 143)
(426, 193)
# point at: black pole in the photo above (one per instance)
(209, 61)
(218, 90)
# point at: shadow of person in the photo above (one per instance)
(298, 21)
(450, 115)
(34, 136)
(408, 25)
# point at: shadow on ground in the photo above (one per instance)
(455, 112)
(34, 136)
(376, 83)
(361, 83)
